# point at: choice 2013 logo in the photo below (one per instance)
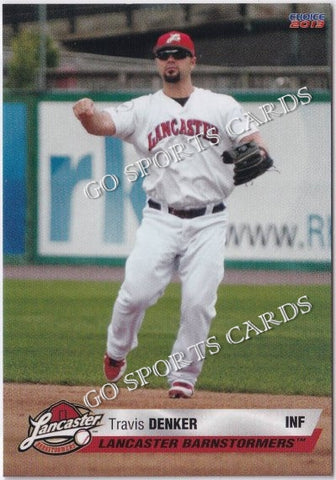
(60, 429)
(306, 20)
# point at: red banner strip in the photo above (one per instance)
(242, 444)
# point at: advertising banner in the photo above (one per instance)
(89, 206)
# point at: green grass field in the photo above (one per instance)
(55, 332)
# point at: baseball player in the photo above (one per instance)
(179, 134)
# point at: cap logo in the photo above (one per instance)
(174, 37)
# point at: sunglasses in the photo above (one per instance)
(176, 54)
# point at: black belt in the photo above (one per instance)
(192, 213)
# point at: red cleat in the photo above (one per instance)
(114, 369)
(181, 390)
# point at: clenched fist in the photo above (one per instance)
(84, 108)
(94, 121)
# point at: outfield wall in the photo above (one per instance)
(15, 157)
(283, 220)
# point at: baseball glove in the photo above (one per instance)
(249, 161)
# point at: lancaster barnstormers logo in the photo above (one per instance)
(62, 428)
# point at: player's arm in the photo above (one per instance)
(254, 137)
(94, 121)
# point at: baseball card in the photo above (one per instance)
(167, 240)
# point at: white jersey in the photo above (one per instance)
(181, 145)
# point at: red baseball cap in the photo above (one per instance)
(175, 39)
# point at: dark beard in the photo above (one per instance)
(172, 79)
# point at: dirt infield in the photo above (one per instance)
(22, 400)
(105, 273)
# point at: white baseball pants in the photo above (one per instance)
(166, 243)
